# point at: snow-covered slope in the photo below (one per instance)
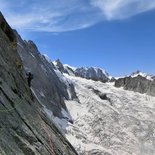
(109, 120)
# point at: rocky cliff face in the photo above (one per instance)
(137, 83)
(24, 126)
(47, 85)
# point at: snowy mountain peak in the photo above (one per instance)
(58, 65)
(93, 73)
(56, 62)
(63, 69)
(139, 73)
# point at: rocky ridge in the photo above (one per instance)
(93, 73)
(138, 82)
(50, 88)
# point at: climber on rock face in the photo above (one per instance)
(29, 78)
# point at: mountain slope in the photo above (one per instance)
(109, 120)
(24, 127)
(47, 85)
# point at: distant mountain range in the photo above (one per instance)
(137, 81)
(96, 74)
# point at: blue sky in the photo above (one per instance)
(117, 35)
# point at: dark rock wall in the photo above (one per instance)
(138, 84)
(24, 128)
(47, 85)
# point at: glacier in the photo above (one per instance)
(125, 125)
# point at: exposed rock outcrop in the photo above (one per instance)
(138, 84)
(24, 127)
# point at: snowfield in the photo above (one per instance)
(122, 123)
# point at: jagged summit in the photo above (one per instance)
(93, 73)
(62, 68)
(58, 64)
(140, 73)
